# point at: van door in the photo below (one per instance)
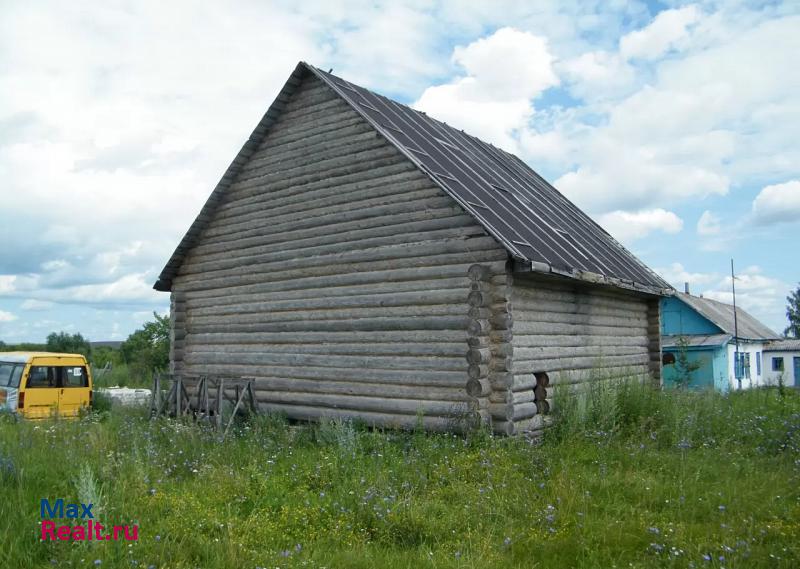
(74, 392)
(41, 392)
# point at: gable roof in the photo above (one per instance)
(541, 229)
(721, 315)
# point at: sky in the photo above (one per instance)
(675, 125)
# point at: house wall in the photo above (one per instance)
(679, 318)
(789, 375)
(580, 333)
(701, 378)
(721, 382)
(336, 275)
(752, 348)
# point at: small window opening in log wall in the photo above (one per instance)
(540, 394)
(668, 358)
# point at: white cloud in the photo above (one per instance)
(708, 224)
(759, 294)
(7, 283)
(628, 226)
(676, 275)
(6, 316)
(504, 73)
(666, 31)
(778, 203)
(33, 304)
(694, 123)
(598, 75)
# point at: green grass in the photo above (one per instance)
(629, 478)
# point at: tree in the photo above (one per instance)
(147, 349)
(793, 314)
(683, 365)
(64, 343)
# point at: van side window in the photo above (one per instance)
(74, 376)
(42, 376)
(16, 375)
(9, 374)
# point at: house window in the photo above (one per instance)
(777, 364)
(668, 358)
(742, 365)
(758, 363)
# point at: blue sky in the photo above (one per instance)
(675, 125)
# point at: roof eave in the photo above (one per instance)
(525, 266)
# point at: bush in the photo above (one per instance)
(64, 343)
(147, 349)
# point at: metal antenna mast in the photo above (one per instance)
(736, 366)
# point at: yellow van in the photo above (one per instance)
(38, 385)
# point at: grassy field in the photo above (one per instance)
(634, 478)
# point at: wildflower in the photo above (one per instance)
(98, 561)
(507, 541)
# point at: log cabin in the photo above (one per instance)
(361, 259)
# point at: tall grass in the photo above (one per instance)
(628, 477)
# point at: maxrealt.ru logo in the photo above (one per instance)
(87, 531)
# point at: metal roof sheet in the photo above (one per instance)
(721, 314)
(788, 345)
(696, 341)
(541, 229)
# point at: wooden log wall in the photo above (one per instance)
(576, 334)
(335, 273)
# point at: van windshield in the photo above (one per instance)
(10, 374)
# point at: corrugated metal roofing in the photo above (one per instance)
(721, 314)
(712, 340)
(541, 229)
(783, 346)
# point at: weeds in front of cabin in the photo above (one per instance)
(630, 476)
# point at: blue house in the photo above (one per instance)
(701, 332)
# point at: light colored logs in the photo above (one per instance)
(385, 299)
(327, 360)
(364, 324)
(408, 348)
(403, 277)
(478, 387)
(377, 419)
(435, 377)
(400, 338)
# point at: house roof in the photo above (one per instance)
(783, 346)
(721, 314)
(696, 341)
(541, 229)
